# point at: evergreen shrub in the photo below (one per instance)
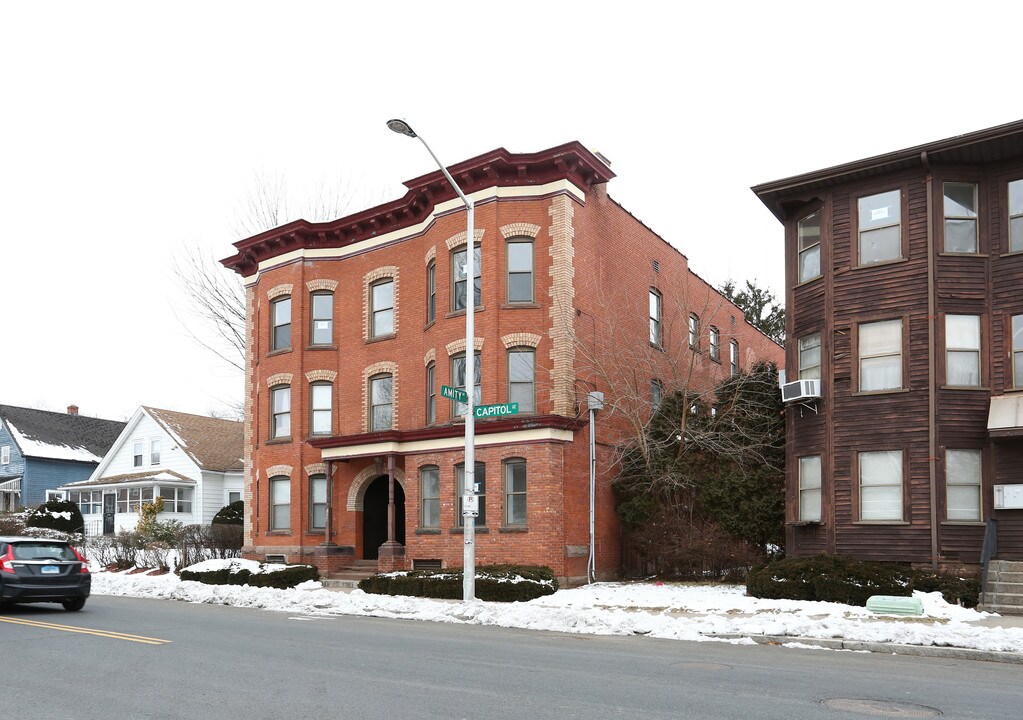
(497, 583)
(61, 515)
(232, 514)
(833, 578)
(289, 577)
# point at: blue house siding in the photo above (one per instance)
(15, 468)
(17, 465)
(43, 475)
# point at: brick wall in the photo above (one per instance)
(593, 268)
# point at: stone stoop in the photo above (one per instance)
(1003, 593)
(348, 577)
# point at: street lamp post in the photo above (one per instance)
(469, 485)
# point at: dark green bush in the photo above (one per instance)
(51, 515)
(233, 514)
(289, 577)
(833, 578)
(493, 582)
(962, 591)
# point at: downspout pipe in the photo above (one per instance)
(932, 438)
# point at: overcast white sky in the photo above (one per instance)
(128, 133)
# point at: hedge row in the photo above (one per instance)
(832, 578)
(498, 583)
(291, 576)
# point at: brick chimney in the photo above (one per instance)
(72, 409)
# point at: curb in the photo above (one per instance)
(956, 653)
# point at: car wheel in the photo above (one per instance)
(73, 604)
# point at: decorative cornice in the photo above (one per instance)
(570, 162)
(321, 376)
(431, 356)
(277, 470)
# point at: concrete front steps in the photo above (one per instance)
(347, 578)
(1003, 592)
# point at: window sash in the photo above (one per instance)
(715, 344)
(963, 479)
(176, 500)
(808, 242)
(515, 492)
(382, 299)
(281, 411)
(458, 280)
(323, 318)
(431, 292)
(458, 381)
(429, 492)
(960, 207)
(881, 493)
(1017, 351)
(321, 401)
(131, 499)
(1015, 192)
(480, 479)
(137, 450)
(154, 452)
(280, 504)
(694, 331)
(880, 227)
(521, 379)
(520, 271)
(810, 489)
(962, 350)
(381, 403)
(655, 318)
(281, 313)
(431, 393)
(318, 502)
(810, 357)
(880, 351)
(656, 394)
(733, 356)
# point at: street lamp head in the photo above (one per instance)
(400, 126)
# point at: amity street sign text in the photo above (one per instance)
(446, 391)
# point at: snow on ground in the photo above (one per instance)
(676, 611)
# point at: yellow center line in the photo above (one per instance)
(86, 631)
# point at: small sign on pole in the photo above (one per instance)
(451, 393)
(499, 410)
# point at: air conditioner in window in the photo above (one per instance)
(800, 390)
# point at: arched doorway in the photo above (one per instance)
(374, 516)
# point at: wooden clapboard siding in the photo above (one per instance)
(988, 284)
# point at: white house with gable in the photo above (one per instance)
(193, 462)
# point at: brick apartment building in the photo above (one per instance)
(354, 324)
(904, 299)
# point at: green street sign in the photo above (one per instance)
(488, 411)
(446, 391)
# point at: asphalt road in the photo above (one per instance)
(124, 658)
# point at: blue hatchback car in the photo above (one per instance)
(35, 570)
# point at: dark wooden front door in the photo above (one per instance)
(109, 507)
(374, 517)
